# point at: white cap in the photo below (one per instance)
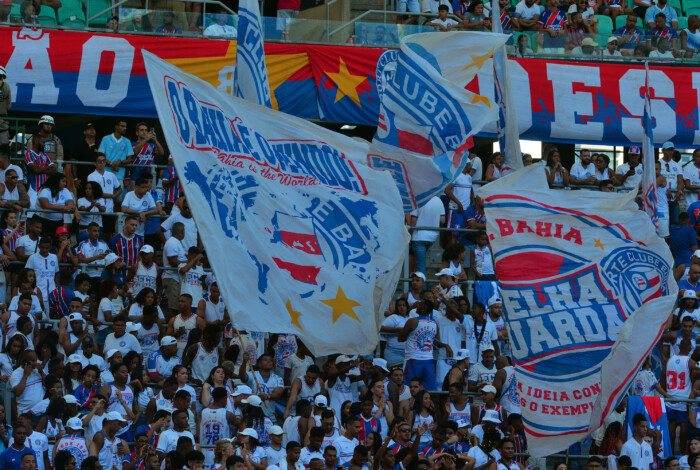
(111, 258)
(75, 316)
(248, 432)
(668, 145)
(697, 253)
(114, 416)
(276, 430)
(689, 294)
(46, 119)
(446, 272)
(74, 423)
(418, 274)
(111, 353)
(253, 400)
(488, 347)
(489, 389)
(73, 358)
(70, 399)
(146, 249)
(611, 39)
(342, 358)
(242, 390)
(495, 300)
(321, 401)
(132, 326)
(381, 363)
(492, 416)
(461, 354)
(168, 341)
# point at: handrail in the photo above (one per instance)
(383, 12)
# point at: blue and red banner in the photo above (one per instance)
(103, 74)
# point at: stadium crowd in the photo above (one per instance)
(118, 351)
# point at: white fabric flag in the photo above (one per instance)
(250, 75)
(507, 123)
(302, 235)
(649, 154)
(426, 115)
(583, 278)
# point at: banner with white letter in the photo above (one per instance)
(583, 278)
(302, 235)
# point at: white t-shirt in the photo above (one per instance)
(606, 53)
(104, 306)
(428, 216)
(472, 335)
(477, 166)
(167, 441)
(581, 173)
(446, 22)
(462, 189)
(33, 390)
(632, 181)
(61, 199)
(135, 203)
(126, 343)
(642, 455)
(585, 14)
(691, 173)
(431, 6)
(109, 183)
(30, 246)
(173, 247)
(670, 170)
(658, 55)
(87, 219)
(525, 12)
(190, 282)
(45, 270)
(88, 249)
(190, 229)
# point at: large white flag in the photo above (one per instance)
(250, 75)
(302, 235)
(507, 123)
(586, 285)
(426, 115)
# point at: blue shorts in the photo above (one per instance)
(412, 6)
(679, 416)
(423, 369)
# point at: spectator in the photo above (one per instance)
(677, 366)
(602, 168)
(12, 458)
(139, 203)
(475, 18)
(527, 12)
(430, 215)
(576, 29)
(168, 26)
(629, 36)
(684, 240)
(287, 11)
(118, 151)
(556, 173)
(587, 48)
(588, 20)
(552, 24)
(221, 27)
(521, 49)
(45, 265)
(658, 29)
(419, 354)
(5, 163)
(146, 148)
(13, 195)
(53, 147)
(690, 36)
(184, 322)
(84, 151)
(442, 22)
(184, 216)
(174, 253)
(673, 172)
(111, 190)
(583, 171)
(171, 185)
(611, 49)
(662, 49)
(39, 166)
(508, 20)
(55, 197)
(661, 6)
(127, 243)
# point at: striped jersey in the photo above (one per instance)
(40, 159)
(172, 192)
(59, 302)
(127, 248)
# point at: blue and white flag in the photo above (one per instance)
(426, 115)
(583, 278)
(654, 409)
(302, 235)
(507, 123)
(649, 163)
(250, 75)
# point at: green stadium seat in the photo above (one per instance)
(47, 16)
(15, 11)
(689, 5)
(96, 6)
(682, 23)
(693, 11)
(677, 5)
(71, 13)
(605, 25)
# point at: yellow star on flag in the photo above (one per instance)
(347, 83)
(598, 244)
(479, 60)
(482, 98)
(341, 305)
(294, 315)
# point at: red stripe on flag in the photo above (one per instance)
(415, 143)
(299, 272)
(301, 241)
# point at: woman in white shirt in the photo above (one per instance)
(92, 202)
(556, 173)
(54, 196)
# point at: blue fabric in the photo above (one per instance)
(682, 242)
(425, 369)
(420, 250)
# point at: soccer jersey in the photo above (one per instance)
(40, 159)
